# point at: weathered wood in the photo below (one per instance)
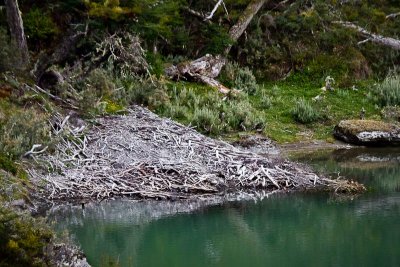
(375, 38)
(214, 10)
(204, 69)
(207, 68)
(238, 29)
(16, 26)
(392, 16)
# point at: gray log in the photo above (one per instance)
(16, 26)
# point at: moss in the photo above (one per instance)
(113, 108)
(357, 126)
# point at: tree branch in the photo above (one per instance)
(237, 30)
(392, 16)
(375, 38)
(214, 10)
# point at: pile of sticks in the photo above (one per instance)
(142, 155)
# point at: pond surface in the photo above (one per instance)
(281, 230)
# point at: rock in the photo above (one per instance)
(49, 80)
(368, 132)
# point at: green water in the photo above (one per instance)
(282, 230)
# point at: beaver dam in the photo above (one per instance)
(141, 155)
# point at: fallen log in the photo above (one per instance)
(204, 70)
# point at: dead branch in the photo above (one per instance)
(214, 10)
(33, 150)
(375, 38)
(392, 16)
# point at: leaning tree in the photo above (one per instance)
(16, 26)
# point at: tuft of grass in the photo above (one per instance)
(304, 112)
(206, 120)
(265, 101)
(389, 91)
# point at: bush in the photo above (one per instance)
(265, 101)
(206, 120)
(135, 90)
(22, 239)
(39, 26)
(391, 113)
(240, 78)
(303, 112)
(20, 129)
(389, 91)
(8, 57)
(242, 116)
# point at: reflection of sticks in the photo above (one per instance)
(144, 156)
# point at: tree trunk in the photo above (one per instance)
(237, 30)
(15, 23)
(207, 68)
(375, 38)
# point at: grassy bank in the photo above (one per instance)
(287, 111)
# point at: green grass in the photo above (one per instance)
(343, 103)
(270, 109)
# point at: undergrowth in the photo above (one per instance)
(388, 91)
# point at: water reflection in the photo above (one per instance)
(284, 230)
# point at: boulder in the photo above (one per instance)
(368, 132)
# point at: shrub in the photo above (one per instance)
(241, 78)
(206, 120)
(22, 239)
(265, 101)
(38, 25)
(242, 116)
(8, 57)
(176, 111)
(134, 90)
(389, 91)
(20, 129)
(391, 113)
(303, 112)
(246, 81)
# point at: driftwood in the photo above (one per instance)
(141, 155)
(204, 69)
(371, 37)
